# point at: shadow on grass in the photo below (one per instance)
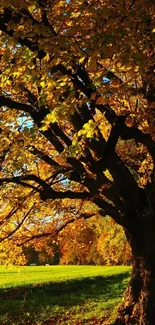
(26, 305)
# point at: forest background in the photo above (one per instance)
(96, 241)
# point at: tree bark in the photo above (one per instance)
(138, 306)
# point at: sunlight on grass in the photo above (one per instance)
(19, 276)
(62, 294)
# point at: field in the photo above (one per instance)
(66, 295)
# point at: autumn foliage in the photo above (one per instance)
(77, 126)
(97, 241)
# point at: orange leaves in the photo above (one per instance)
(145, 170)
(12, 256)
(94, 241)
(112, 244)
(72, 68)
(75, 243)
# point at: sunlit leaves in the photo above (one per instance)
(14, 256)
(77, 92)
(101, 242)
(112, 245)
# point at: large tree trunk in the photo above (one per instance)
(138, 307)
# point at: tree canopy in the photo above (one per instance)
(76, 110)
(77, 121)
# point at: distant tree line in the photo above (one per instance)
(84, 242)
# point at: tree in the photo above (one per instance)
(77, 125)
(41, 252)
(78, 244)
(113, 246)
(94, 241)
(13, 256)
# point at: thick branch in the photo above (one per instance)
(8, 102)
(8, 16)
(129, 132)
(46, 192)
(45, 195)
(44, 157)
(76, 79)
(139, 136)
(107, 209)
(21, 180)
(38, 117)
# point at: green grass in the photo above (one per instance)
(65, 295)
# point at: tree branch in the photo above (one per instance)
(20, 180)
(44, 157)
(8, 16)
(38, 117)
(139, 136)
(6, 101)
(42, 4)
(19, 225)
(107, 209)
(56, 231)
(45, 195)
(46, 192)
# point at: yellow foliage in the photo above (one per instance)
(70, 74)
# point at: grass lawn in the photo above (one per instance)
(66, 295)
